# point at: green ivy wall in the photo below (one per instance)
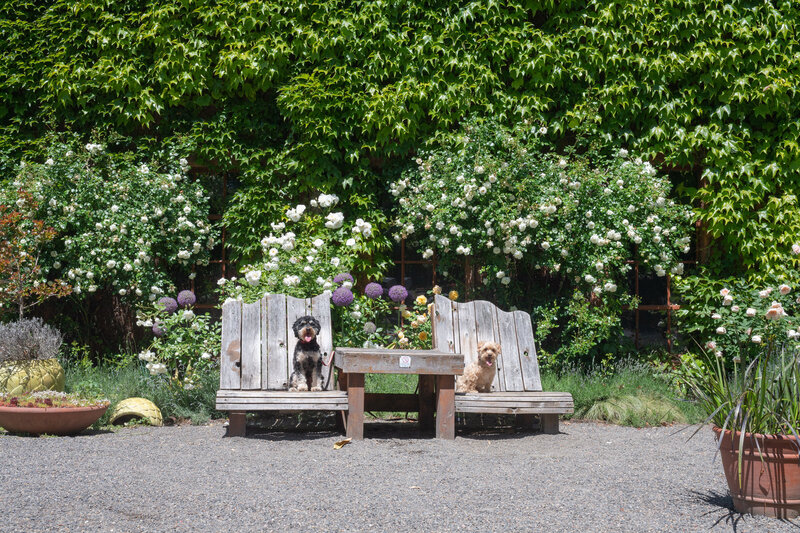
(332, 95)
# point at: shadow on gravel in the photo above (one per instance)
(725, 513)
(84, 433)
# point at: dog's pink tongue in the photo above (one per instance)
(488, 363)
(307, 338)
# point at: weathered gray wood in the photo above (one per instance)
(278, 394)
(445, 337)
(278, 376)
(550, 423)
(384, 361)
(355, 406)
(486, 331)
(567, 406)
(445, 407)
(527, 348)
(264, 344)
(230, 355)
(515, 394)
(295, 308)
(251, 346)
(266, 405)
(511, 410)
(464, 314)
(321, 310)
(512, 373)
(237, 424)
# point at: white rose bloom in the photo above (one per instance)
(184, 254)
(721, 330)
(318, 243)
(728, 300)
(796, 249)
(350, 242)
(756, 339)
(205, 355)
(188, 314)
(334, 220)
(562, 163)
(221, 282)
(427, 254)
(253, 277)
(784, 289)
(716, 316)
(750, 312)
(111, 264)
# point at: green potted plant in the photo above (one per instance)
(748, 382)
(28, 363)
(50, 412)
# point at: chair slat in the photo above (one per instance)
(295, 308)
(486, 331)
(467, 331)
(251, 345)
(527, 349)
(321, 310)
(512, 371)
(230, 355)
(443, 325)
(278, 376)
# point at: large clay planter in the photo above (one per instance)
(49, 420)
(21, 377)
(770, 487)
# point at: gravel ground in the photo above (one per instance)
(591, 477)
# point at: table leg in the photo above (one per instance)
(341, 416)
(237, 424)
(355, 406)
(427, 385)
(445, 407)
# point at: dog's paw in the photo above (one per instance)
(302, 387)
(316, 389)
(292, 389)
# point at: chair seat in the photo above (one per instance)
(515, 403)
(259, 400)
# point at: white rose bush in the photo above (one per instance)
(306, 251)
(505, 203)
(123, 224)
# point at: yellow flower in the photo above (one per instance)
(423, 335)
(422, 318)
(415, 324)
(437, 289)
(453, 295)
(401, 335)
(406, 313)
(403, 341)
(421, 300)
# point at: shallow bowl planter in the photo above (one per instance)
(49, 420)
(21, 377)
(770, 483)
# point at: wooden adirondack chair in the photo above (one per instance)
(517, 387)
(256, 358)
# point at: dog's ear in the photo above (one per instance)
(499, 348)
(316, 325)
(481, 345)
(296, 327)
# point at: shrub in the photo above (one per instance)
(123, 220)
(28, 339)
(312, 250)
(185, 346)
(503, 200)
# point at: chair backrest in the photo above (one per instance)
(460, 326)
(258, 342)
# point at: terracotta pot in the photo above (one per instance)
(770, 487)
(49, 420)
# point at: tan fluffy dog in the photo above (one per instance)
(479, 374)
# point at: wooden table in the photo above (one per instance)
(436, 371)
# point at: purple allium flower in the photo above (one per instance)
(168, 304)
(342, 296)
(341, 278)
(398, 293)
(373, 290)
(158, 331)
(186, 298)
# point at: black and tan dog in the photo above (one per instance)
(307, 361)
